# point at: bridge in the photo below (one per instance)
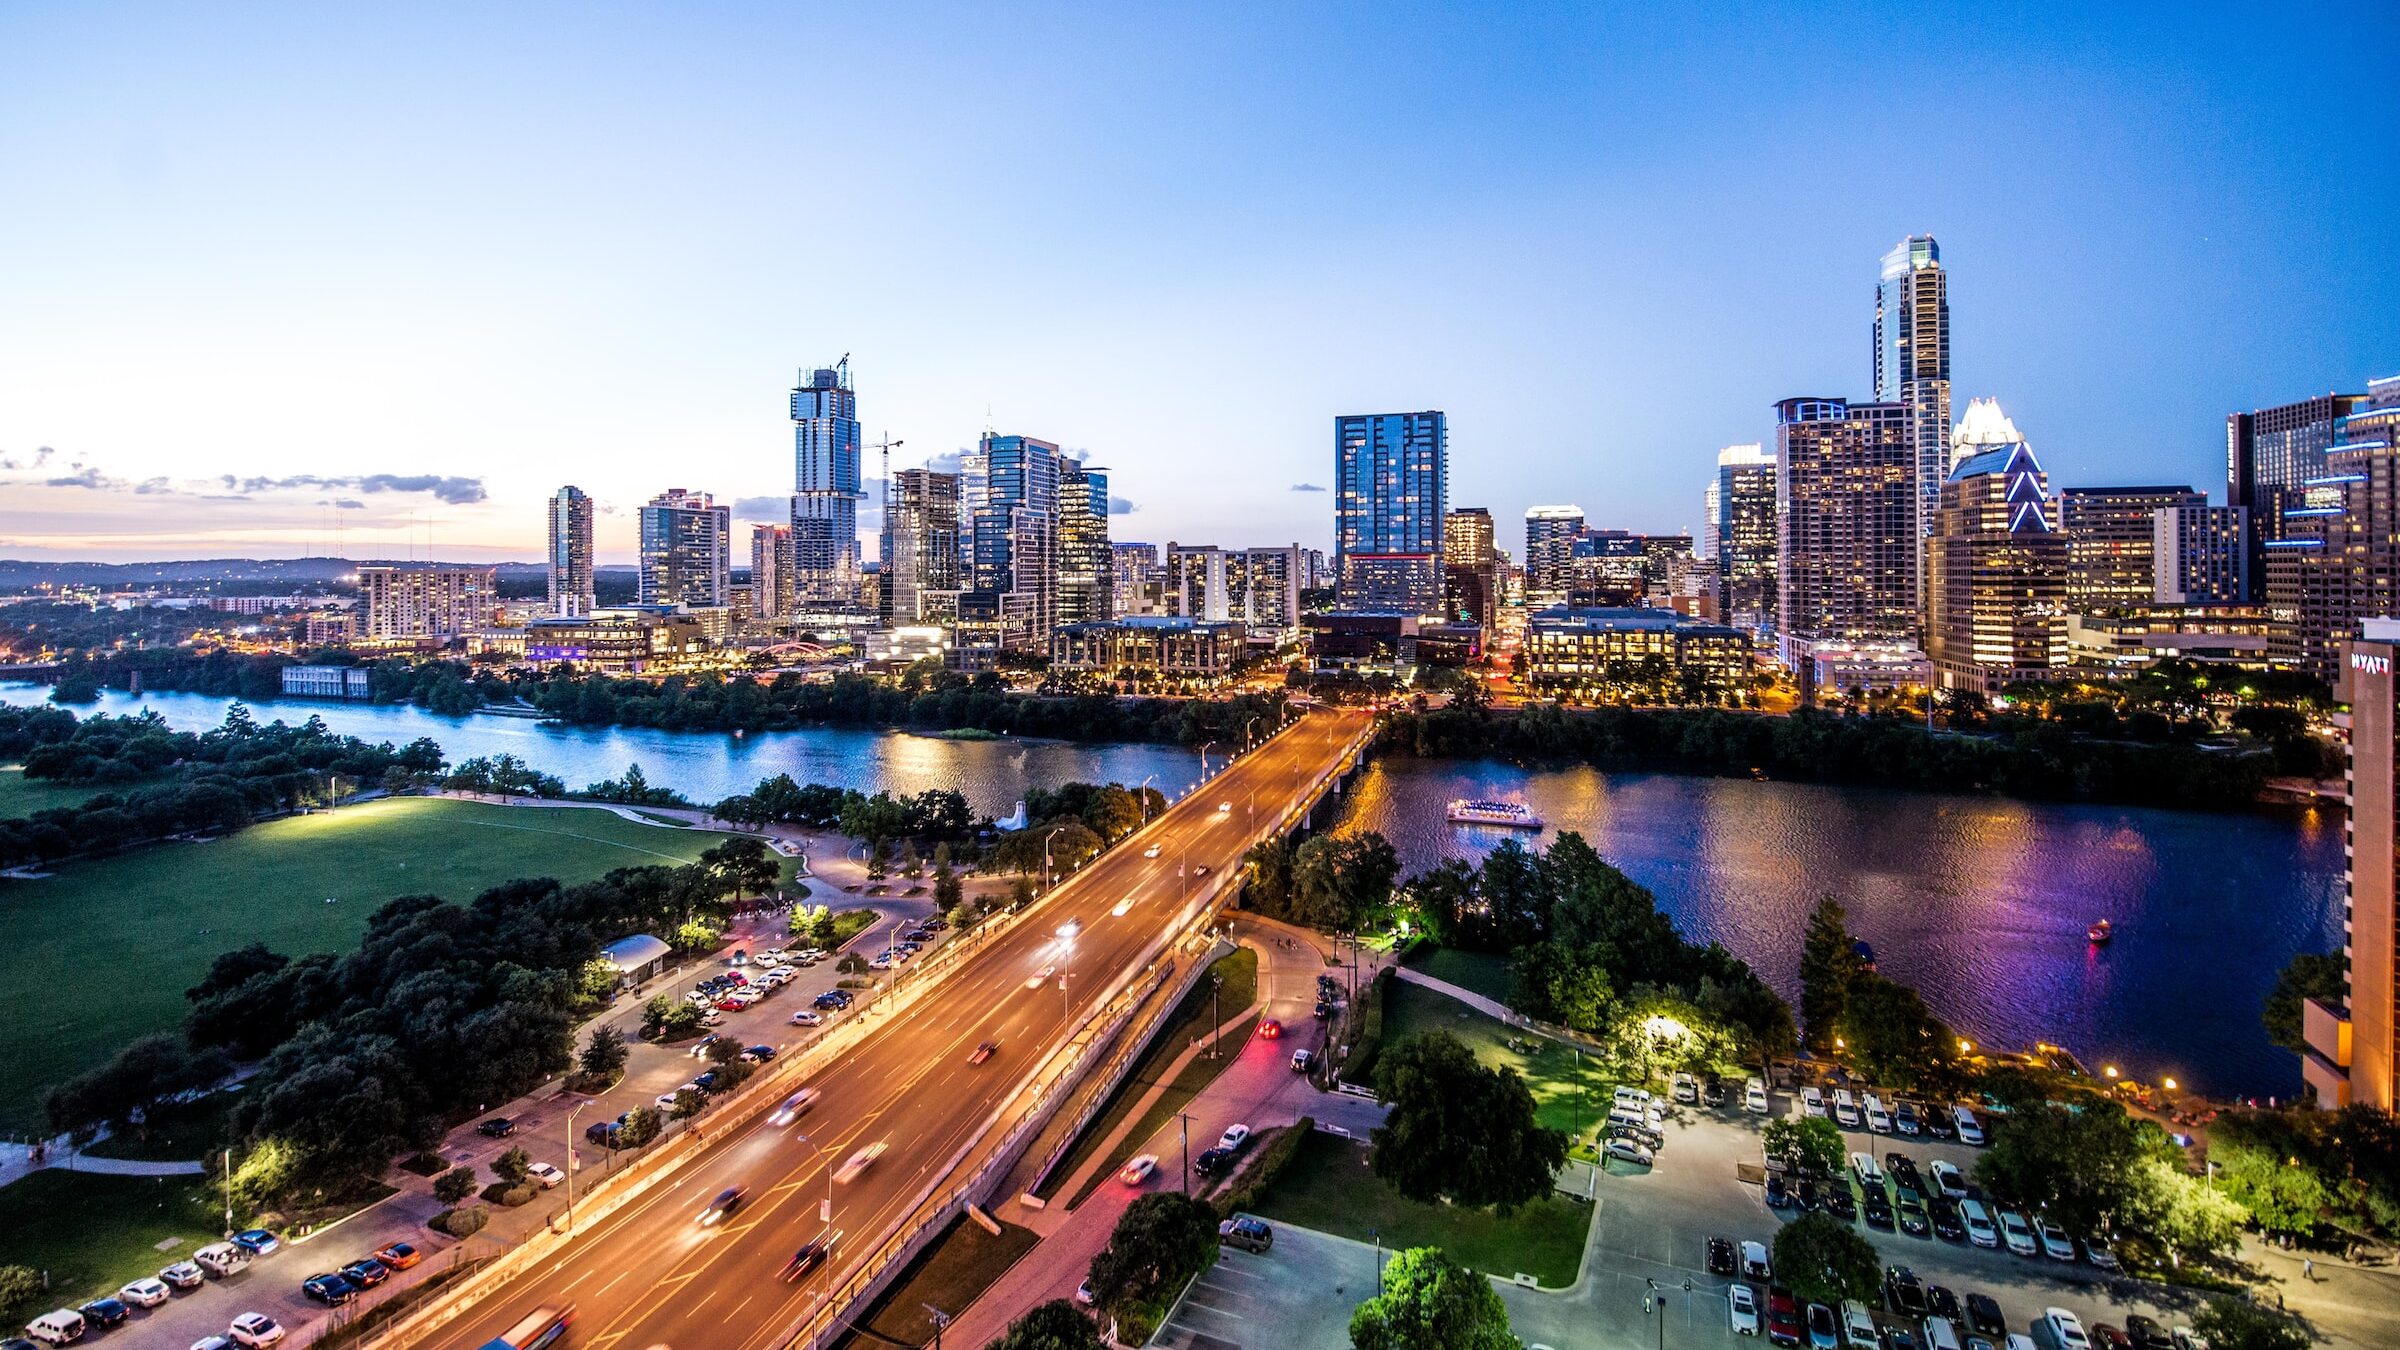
(641, 1273)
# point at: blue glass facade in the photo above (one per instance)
(1391, 477)
(826, 485)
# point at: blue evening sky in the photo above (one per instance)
(412, 255)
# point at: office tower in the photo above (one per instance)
(1608, 569)
(2111, 553)
(419, 601)
(1662, 556)
(1845, 524)
(2337, 560)
(1739, 535)
(1320, 572)
(1467, 538)
(1912, 368)
(1391, 489)
(1198, 585)
(1997, 564)
(1135, 579)
(920, 564)
(1084, 590)
(2270, 453)
(2353, 1053)
(1406, 584)
(686, 550)
(2199, 555)
(1470, 566)
(571, 577)
(1270, 590)
(773, 572)
(1550, 535)
(1011, 486)
(826, 488)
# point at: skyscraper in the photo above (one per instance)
(2337, 560)
(1011, 486)
(2112, 560)
(920, 549)
(2270, 454)
(826, 486)
(2352, 1055)
(1391, 476)
(686, 550)
(2200, 555)
(1912, 369)
(1998, 574)
(571, 576)
(1550, 535)
(1470, 566)
(1739, 535)
(1845, 524)
(1085, 594)
(771, 572)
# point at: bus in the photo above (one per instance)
(542, 1326)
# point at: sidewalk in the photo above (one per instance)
(1487, 1006)
(16, 1162)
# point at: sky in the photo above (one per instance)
(289, 279)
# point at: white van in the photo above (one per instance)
(64, 1327)
(1812, 1100)
(1858, 1326)
(1845, 1109)
(1878, 1119)
(1978, 1220)
(1862, 1166)
(1633, 1096)
(222, 1259)
(1970, 1130)
(1754, 1097)
(1940, 1334)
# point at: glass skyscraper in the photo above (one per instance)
(826, 486)
(571, 579)
(1011, 527)
(1739, 535)
(1391, 485)
(687, 550)
(1912, 369)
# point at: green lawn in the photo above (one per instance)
(153, 919)
(1327, 1187)
(951, 1274)
(196, 1132)
(1484, 973)
(1570, 1090)
(22, 796)
(93, 1233)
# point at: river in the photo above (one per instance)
(1979, 901)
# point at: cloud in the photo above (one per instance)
(341, 503)
(1119, 506)
(455, 491)
(84, 477)
(34, 461)
(1308, 487)
(774, 509)
(946, 462)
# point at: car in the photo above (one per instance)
(1234, 1137)
(1876, 1210)
(794, 1107)
(1754, 1097)
(1983, 1316)
(1249, 1234)
(1783, 1318)
(256, 1241)
(1138, 1170)
(808, 1017)
(204, 1343)
(498, 1127)
(1720, 1256)
(106, 1313)
(1870, 1176)
(1946, 1224)
(605, 1132)
(723, 1206)
(2185, 1339)
(1741, 1308)
(1687, 1089)
(2018, 1234)
(544, 1175)
(1779, 1195)
(184, 1275)
(1824, 1331)
(1905, 1117)
(733, 1003)
(983, 1050)
(1978, 1218)
(1941, 1301)
(1810, 1196)
(1269, 1029)
(1224, 808)
(2100, 1252)
(2107, 1336)
(829, 1001)
(1211, 1161)
(1839, 1202)
(1812, 1101)
(1903, 1170)
(758, 1054)
(811, 1255)
(1948, 1179)
(708, 1080)
(2147, 1334)
(367, 1272)
(253, 1330)
(1940, 1123)
(711, 1018)
(1755, 1265)
(1041, 977)
(1910, 1209)
(1150, 852)
(859, 1162)
(665, 1101)
(2061, 1329)
(398, 1256)
(1200, 870)
(147, 1292)
(329, 1289)
(2055, 1243)
(1902, 1292)
(1303, 1061)
(1626, 1150)
(1970, 1130)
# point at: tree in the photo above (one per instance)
(1893, 1038)
(511, 1168)
(683, 1019)
(1056, 1325)
(1459, 1131)
(19, 1287)
(454, 1185)
(2182, 1213)
(947, 891)
(1828, 964)
(694, 935)
(2308, 976)
(604, 1053)
(1429, 1302)
(1338, 880)
(2078, 1164)
(640, 1127)
(2238, 1324)
(1824, 1260)
(744, 864)
(1159, 1242)
(1810, 1144)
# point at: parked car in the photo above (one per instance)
(2018, 1234)
(1903, 1293)
(1754, 1097)
(256, 1241)
(498, 1127)
(1249, 1234)
(1905, 1117)
(1626, 1150)
(1783, 1318)
(147, 1292)
(1824, 1331)
(2055, 1243)
(808, 1017)
(1210, 1161)
(2100, 1253)
(1741, 1309)
(106, 1313)
(758, 1054)
(254, 1330)
(329, 1289)
(1910, 1209)
(1983, 1316)
(398, 1256)
(1946, 1224)
(368, 1272)
(1812, 1100)
(184, 1275)
(544, 1175)
(1755, 1265)
(1948, 1179)
(1720, 1256)
(1779, 1195)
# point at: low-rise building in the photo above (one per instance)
(1571, 649)
(1837, 666)
(1364, 642)
(619, 640)
(345, 682)
(2132, 639)
(1152, 644)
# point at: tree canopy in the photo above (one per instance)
(1160, 1241)
(1459, 1131)
(1428, 1301)
(1056, 1325)
(1824, 1260)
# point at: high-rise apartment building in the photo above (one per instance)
(1470, 566)
(2337, 560)
(2111, 545)
(1136, 579)
(920, 564)
(1912, 367)
(419, 601)
(2200, 555)
(2270, 455)
(1997, 565)
(826, 488)
(571, 567)
(1011, 486)
(1738, 534)
(1199, 583)
(772, 572)
(1550, 535)
(1085, 592)
(1391, 490)
(2353, 1047)
(1845, 524)
(1269, 587)
(686, 550)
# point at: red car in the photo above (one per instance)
(1270, 1029)
(731, 1004)
(398, 1256)
(1783, 1318)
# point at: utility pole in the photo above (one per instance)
(1184, 1130)
(1216, 1012)
(572, 1169)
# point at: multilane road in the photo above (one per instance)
(651, 1275)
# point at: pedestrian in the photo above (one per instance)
(2308, 1270)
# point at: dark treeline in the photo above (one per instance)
(160, 782)
(2022, 757)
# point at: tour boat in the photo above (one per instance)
(1514, 815)
(2099, 932)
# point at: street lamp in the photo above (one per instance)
(824, 1215)
(1246, 731)
(1045, 857)
(1145, 796)
(1205, 747)
(572, 1168)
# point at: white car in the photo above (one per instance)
(184, 1275)
(793, 1107)
(1138, 1171)
(1948, 1179)
(711, 1018)
(665, 1101)
(2019, 1234)
(1150, 852)
(1741, 1306)
(251, 1330)
(860, 1162)
(1632, 1096)
(1754, 1097)
(1626, 1150)
(1978, 1220)
(1755, 1265)
(2065, 1328)
(1812, 1101)
(545, 1174)
(1041, 977)
(2055, 1243)
(212, 1343)
(146, 1293)
(1224, 808)
(808, 1017)
(1234, 1137)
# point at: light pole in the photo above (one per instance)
(825, 1215)
(1216, 1012)
(572, 1169)
(1184, 1133)
(1246, 731)
(1205, 747)
(1145, 796)
(1376, 1234)
(1045, 858)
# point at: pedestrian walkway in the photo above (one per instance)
(1490, 1007)
(18, 1161)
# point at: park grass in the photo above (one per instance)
(1484, 973)
(949, 1275)
(1186, 1085)
(149, 922)
(1570, 1089)
(199, 1131)
(1191, 1017)
(1328, 1187)
(93, 1233)
(22, 796)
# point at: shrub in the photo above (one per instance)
(454, 1185)
(509, 1196)
(1265, 1163)
(465, 1221)
(425, 1164)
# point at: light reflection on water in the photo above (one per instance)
(1979, 902)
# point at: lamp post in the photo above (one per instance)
(1144, 794)
(825, 1215)
(1045, 857)
(1246, 731)
(1205, 747)
(572, 1169)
